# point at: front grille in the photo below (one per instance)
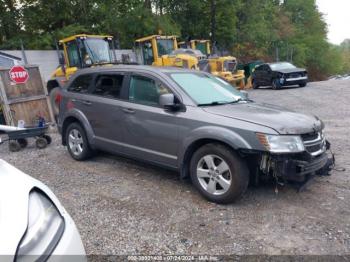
(294, 75)
(315, 143)
(309, 136)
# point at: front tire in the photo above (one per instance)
(77, 142)
(218, 173)
(276, 84)
(302, 85)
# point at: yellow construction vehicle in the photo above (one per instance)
(201, 45)
(159, 50)
(221, 66)
(79, 51)
(226, 68)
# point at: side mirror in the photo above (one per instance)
(245, 95)
(167, 101)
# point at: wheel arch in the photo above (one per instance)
(53, 83)
(205, 135)
(193, 147)
(69, 120)
(78, 117)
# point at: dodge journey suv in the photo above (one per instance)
(192, 122)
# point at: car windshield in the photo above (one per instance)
(207, 90)
(279, 66)
(165, 46)
(98, 50)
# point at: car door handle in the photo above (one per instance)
(85, 102)
(128, 110)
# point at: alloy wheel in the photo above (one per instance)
(75, 141)
(214, 174)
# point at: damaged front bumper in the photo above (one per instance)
(297, 167)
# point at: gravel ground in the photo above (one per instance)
(123, 207)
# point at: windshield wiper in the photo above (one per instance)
(216, 103)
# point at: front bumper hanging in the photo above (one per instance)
(299, 167)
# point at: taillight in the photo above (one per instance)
(58, 98)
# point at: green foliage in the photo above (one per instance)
(248, 29)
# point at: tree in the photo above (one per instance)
(9, 21)
(247, 29)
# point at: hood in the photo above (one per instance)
(14, 196)
(290, 70)
(15, 187)
(281, 120)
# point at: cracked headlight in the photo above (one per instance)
(281, 143)
(44, 230)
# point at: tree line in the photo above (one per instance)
(289, 30)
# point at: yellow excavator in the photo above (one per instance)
(160, 50)
(221, 66)
(79, 51)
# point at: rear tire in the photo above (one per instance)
(218, 173)
(302, 85)
(54, 103)
(77, 142)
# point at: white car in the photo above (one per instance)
(34, 226)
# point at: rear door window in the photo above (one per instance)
(109, 85)
(145, 90)
(81, 84)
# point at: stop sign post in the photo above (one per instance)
(18, 74)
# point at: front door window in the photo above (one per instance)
(144, 90)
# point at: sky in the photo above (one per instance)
(337, 16)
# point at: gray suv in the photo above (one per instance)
(192, 122)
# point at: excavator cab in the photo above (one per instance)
(159, 50)
(201, 45)
(81, 51)
(150, 49)
(78, 51)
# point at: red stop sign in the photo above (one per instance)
(19, 74)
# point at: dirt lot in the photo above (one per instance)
(123, 207)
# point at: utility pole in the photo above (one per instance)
(213, 20)
(24, 53)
